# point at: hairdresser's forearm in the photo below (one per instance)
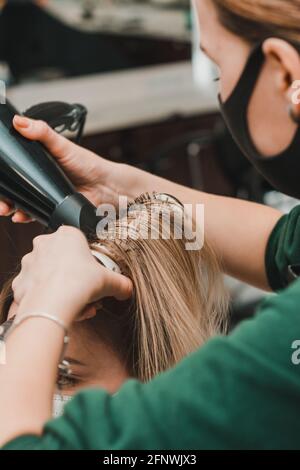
(28, 378)
(238, 230)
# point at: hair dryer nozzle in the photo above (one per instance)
(75, 210)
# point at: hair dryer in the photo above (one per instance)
(32, 179)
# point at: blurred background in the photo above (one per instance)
(150, 93)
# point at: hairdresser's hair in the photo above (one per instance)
(179, 297)
(257, 20)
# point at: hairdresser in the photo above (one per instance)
(241, 391)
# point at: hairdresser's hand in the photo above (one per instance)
(61, 277)
(100, 180)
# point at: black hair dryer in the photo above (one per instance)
(31, 178)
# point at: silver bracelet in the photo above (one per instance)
(18, 321)
(52, 318)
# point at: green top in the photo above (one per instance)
(237, 392)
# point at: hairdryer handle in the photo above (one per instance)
(75, 210)
(60, 116)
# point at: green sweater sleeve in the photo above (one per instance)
(283, 249)
(237, 392)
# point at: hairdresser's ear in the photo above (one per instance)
(89, 312)
(285, 61)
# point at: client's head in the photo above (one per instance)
(179, 301)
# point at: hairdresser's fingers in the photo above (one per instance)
(6, 208)
(89, 312)
(116, 285)
(57, 145)
(19, 288)
(40, 240)
(21, 218)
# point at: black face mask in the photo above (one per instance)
(282, 171)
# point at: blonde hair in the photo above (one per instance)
(179, 300)
(256, 20)
(179, 297)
